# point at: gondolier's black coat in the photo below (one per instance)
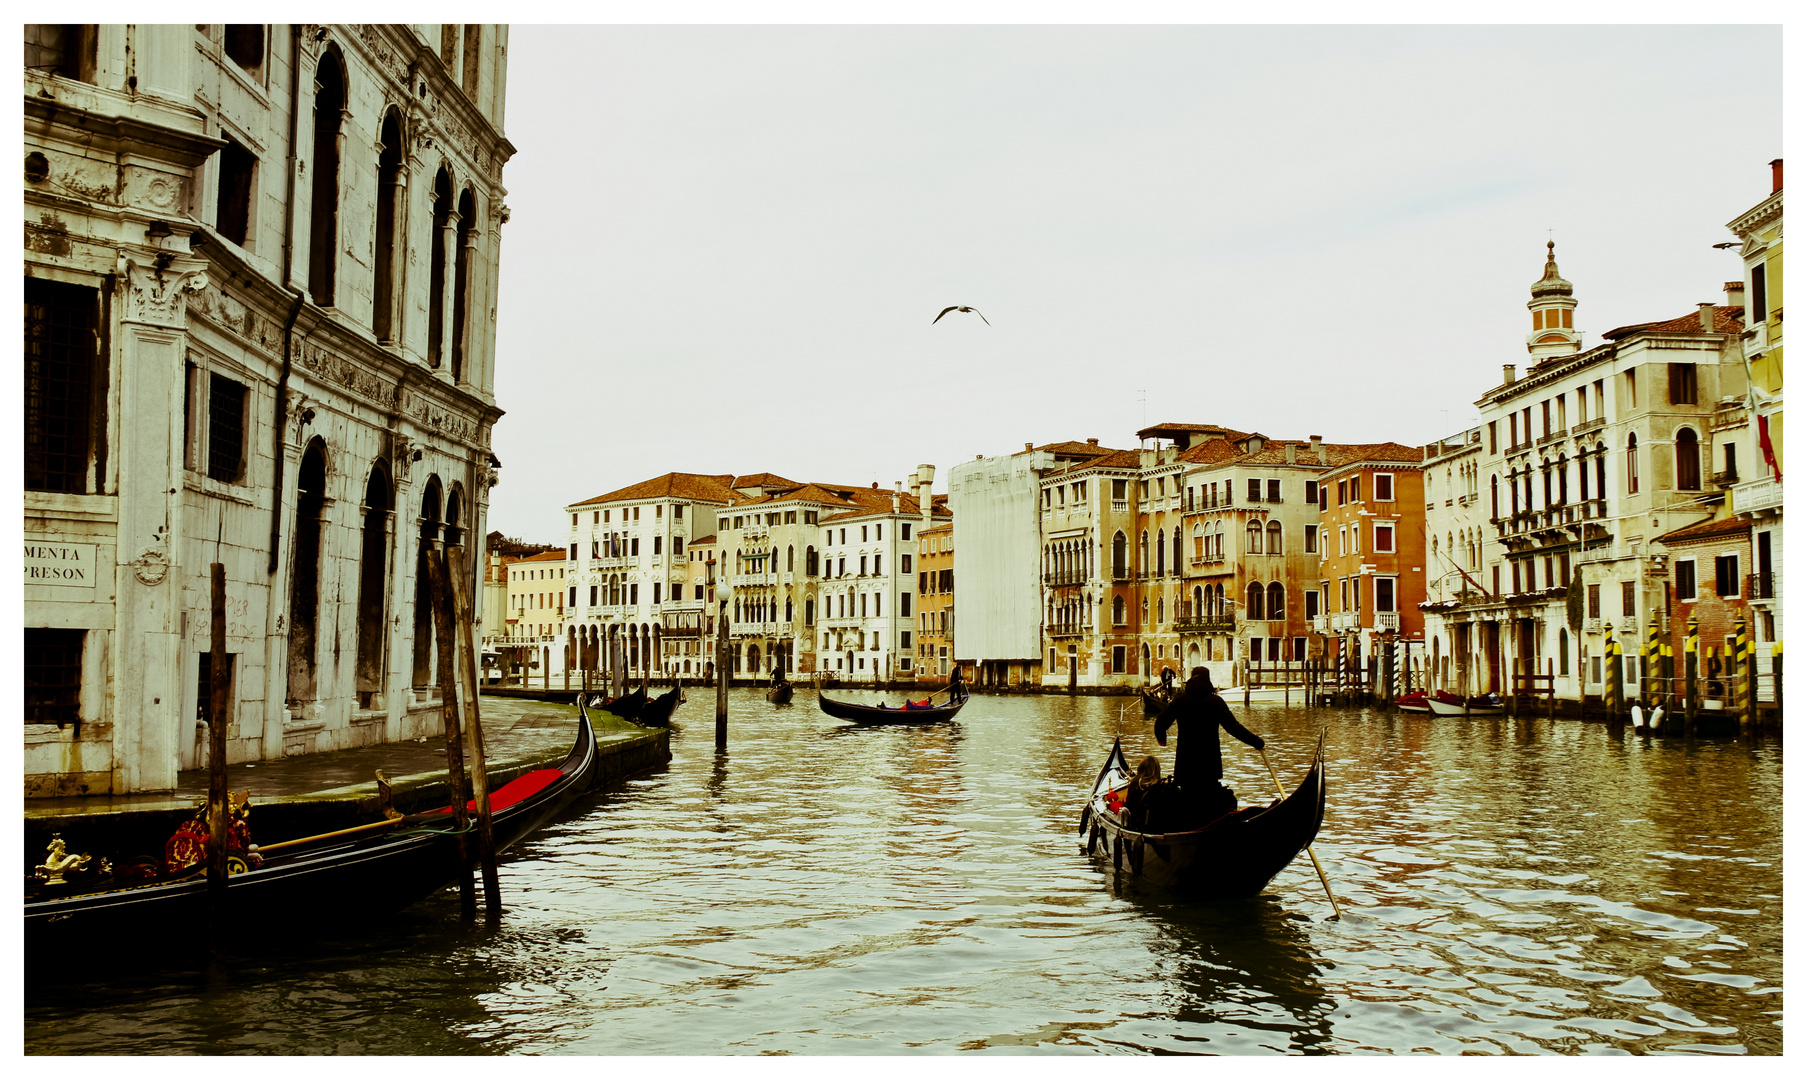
(1199, 712)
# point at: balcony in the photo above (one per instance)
(1582, 427)
(753, 629)
(1728, 415)
(1724, 478)
(753, 581)
(1756, 496)
(1320, 624)
(1205, 624)
(1063, 630)
(1064, 577)
(1345, 620)
(1554, 436)
(1387, 620)
(1119, 506)
(615, 562)
(1120, 574)
(1760, 586)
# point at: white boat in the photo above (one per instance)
(1443, 703)
(1265, 695)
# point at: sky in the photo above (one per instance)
(727, 244)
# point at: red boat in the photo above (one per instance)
(1413, 702)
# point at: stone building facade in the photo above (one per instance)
(261, 267)
(936, 654)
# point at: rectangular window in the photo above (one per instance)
(1518, 580)
(633, 595)
(1254, 491)
(1273, 491)
(947, 580)
(1311, 603)
(903, 639)
(1628, 597)
(1120, 490)
(1311, 539)
(1725, 576)
(1684, 579)
(1311, 491)
(903, 609)
(1342, 492)
(53, 675)
(1383, 594)
(61, 349)
(1355, 489)
(1512, 429)
(1493, 436)
(232, 206)
(809, 517)
(862, 566)
(573, 555)
(1631, 389)
(677, 592)
(1593, 602)
(1682, 389)
(1383, 487)
(1759, 294)
(1544, 407)
(878, 565)
(677, 547)
(226, 429)
(1383, 537)
(906, 534)
(1117, 654)
(573, 601)
(656, 593)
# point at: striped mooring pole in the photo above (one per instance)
(1744, 675)
(1691, 664)
(1615, 679)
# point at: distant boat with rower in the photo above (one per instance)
(925, 711)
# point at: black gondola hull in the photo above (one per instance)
(872, 714)
(292, 893)
(1231, 858)
(657, 712)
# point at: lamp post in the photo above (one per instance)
(721, 665)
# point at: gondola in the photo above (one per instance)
(1444, 703)
(335, 877)
(1414, 702)
(657, 712)
(627, 706)
(881, 714)
(1232, 857)
(780, 694)
(1153, 701)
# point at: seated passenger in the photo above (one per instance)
(1135, 805)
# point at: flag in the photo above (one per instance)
(1769, 451)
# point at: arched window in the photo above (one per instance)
(1273, 538)
(1631, 464)
(1254, 531)
(1160, 552)
(1276, 600)
(1600, 471)
(1176, 549)
(463, 269)
(445, 221)
(391, 227)
(1257, 598)
(430, 510)
(1198, 602)
(1495, 484)
(1198, 542)
(1548, 501)
(323, 235)
(810, 562)
(1687, 460)
(1142, 554)
(373, 587)
(304, 573)
(1117, 611)
(1119, 556)
(790, 559)
(1562, 479)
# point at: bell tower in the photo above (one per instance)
(1552, 307)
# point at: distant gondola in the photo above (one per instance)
(294, 888)
(1234, 856)
(657, 712)
(882, 714)
(781, 694)
(627, 706)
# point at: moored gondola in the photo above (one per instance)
(627, 706)
(657, 712)
(908, 713)
(348, 874)
(1234, 856)
(1444, 703)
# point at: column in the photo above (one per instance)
(442, 363)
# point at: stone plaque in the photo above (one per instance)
(58, 563)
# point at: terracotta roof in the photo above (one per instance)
(1706, 530)
(1726, 320)
(1073, 449)
(1168, 431)
(1110, 459)
(1210, 452)
(877, 507)
(550, 556)
(696, 487)
(702, 540)
(945, 527)
(763, 480)
(804, 493)
(1344, 454)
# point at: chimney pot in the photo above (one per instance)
(1093, 442)
(1317, 447)
(1734, 294)
(1775, 175)
(1706, 318)
(1509, 373)
(1028, 446)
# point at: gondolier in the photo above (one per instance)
(1198, 759)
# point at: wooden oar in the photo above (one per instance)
(1314, 855)
(411, 819)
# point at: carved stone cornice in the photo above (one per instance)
(155, 290)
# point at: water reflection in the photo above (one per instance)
(1510, 886)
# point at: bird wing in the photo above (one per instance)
(981, 316)
(944, 311)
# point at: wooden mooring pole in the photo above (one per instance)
(446, 659)
(721, 677)
(463, 625)
(219, 810)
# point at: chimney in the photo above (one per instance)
(1509, 373)
(1028, 446)
(897, 497)
(1775, 175)
(1734, 294)
(1093, 442)
(1706, 318)
(1292, 452)
(925, 497)
(1317, 447)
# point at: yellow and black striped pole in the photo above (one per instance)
(1653, 652)
(1691, 666)
(1745, 675)
(1775, 676)
(1615, 679)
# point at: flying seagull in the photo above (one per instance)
(957, 307)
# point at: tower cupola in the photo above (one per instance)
(1552, 307)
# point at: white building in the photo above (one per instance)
(260, 267)
(866, 628)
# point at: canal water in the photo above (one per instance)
(1509, 886)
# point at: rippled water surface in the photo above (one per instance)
(1509, 887)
